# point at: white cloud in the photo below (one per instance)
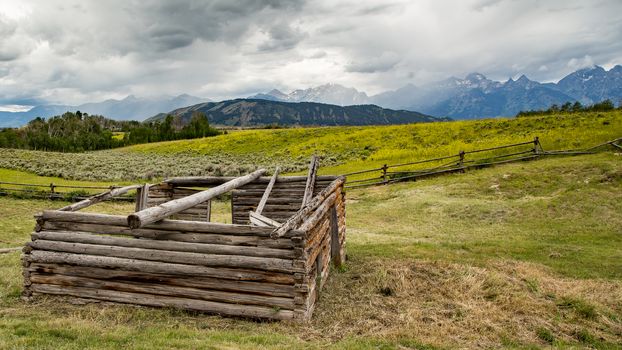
(578, 63)
(74, 51)
(15, 108)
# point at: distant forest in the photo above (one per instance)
(570, 107)
(79, 132)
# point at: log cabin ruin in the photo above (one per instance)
(270, 263)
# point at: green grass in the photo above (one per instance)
(562, 213)
(16, 176)
(525, 255)
(345, 149)
(359, 148)
(118, 135)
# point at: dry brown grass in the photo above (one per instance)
(458, 305)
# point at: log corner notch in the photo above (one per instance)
(324, 211)
(162, 211)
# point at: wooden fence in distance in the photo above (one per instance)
(522, 151)
(54, 191)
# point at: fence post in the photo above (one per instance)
(536, 143)
(384, 173)
(461, 162)
(52, 187)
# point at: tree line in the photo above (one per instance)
(79, 132)
(569, 107)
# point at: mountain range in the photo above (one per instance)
(129, 108)
(261, 112)
(475, 96)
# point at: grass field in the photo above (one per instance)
(525, 255)
(344, 149)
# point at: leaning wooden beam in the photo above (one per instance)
(99, 197)
(295, 220)
(266, 194)
(260, 220)
(162, 211)
(310, 181)
(314, 218)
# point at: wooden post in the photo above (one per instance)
(536, 143)
(162, 211)
(52, 187)
(384, 173)
(310, 181)
(461, 154)
(334, 237)
(142, 195)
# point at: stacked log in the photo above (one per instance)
(164, 193)
(224, 269)
(285, 198)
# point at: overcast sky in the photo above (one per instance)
(73, 52)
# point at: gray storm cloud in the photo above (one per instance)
(79, 51)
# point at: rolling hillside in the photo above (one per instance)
(344, 149)
(257, 112)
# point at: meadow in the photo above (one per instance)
(344, 149)
(524, 255)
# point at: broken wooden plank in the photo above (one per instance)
(99, 197)
(260, 220)
(266, 194)
(310, 181)
(164, 210)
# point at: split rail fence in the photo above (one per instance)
(54, 191)
(522, 151)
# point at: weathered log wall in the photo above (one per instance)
(284, 201)
(324, 242)
(163, 193)
(228, 269)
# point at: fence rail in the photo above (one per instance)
(49, 191)
(459, 163)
